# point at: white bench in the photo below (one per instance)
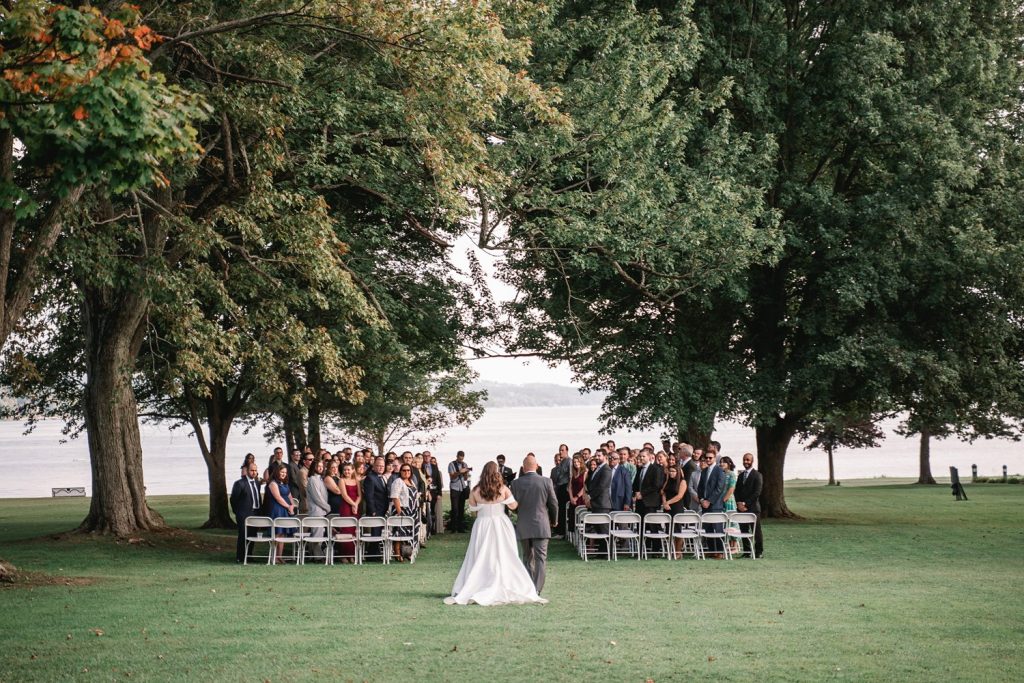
(69, 492)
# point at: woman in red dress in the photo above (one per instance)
(350, 497)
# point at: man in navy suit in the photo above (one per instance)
(245, 502)
(711, 492)
(375, 490)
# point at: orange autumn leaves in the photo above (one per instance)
(60, 49)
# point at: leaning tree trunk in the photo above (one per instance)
(772, 443)
(113, 334)
(831, 468)
(924, 475)
(220, 413)
(294, 431)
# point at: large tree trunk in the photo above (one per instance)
(219, 416)
(925, 458)
(772, 443)
(313, 411)
(831, 468)
(113, 334)
(294, 431)
(696, 435)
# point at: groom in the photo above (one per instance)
(538, 507)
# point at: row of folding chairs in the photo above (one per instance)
(627, 533)
(324, 538)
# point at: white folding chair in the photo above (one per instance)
(656, 528)
(343, 530)
(577, 524)
(286, 531)
(370, 532)
(259, 530)
(401, 529)
(594, 530)
(313, 532)
(741, 519)
(706, 534)
(625, 531)
(686, 527)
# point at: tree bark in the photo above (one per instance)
(925, 458)
(831, 468)
(695, 435)
(772, 442)
(113, 334)
(313, 411)
(294, 431)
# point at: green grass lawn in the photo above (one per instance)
(882, 582)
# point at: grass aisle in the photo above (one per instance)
(880, 583)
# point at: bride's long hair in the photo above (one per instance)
(491, 481)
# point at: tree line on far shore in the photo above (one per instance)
(804, 216)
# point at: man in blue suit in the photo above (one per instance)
(711, 491)
(622, 484)
(245, 502)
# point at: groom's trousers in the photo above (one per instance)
(535, 557)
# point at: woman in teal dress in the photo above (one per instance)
(730, 488)
(281, 504)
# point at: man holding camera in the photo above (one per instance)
(458, 475)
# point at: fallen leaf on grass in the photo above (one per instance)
(612, 642)
(455, 648)
(711, 658)
(34, 657)
(782, 611)
(69, 636)
(97, 631)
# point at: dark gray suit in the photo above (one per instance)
(599, 488)
(538, 507)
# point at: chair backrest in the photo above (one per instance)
(580, 511)
(399, 521)
(596, 518)
(743, 517)
(343, 522)
(315, 523)
(686, 518)
(624, 519)
(256, 522)
(657, 518)
(714, 518)
(287, 523)
(370, 523)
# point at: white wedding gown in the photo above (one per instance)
(492, 573)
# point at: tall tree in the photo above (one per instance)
(840, 431)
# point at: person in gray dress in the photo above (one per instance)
(538, 508)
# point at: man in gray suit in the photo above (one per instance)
(538, 507)
(711, 491)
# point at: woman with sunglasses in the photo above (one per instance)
(404, 501)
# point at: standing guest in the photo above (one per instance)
(245, 502)
(351, 496)
(303, 480)
(622, 484)
(507, 474)
(403, 501)
(277, 457)
(650, 477)
(599, 485)
(281, 503)
(375, 490)
(435, 484)
(728, 501)
(316, 490)
(673, 494)
(560, 479)
(294, 462)
(458, 474)
(332, 484)
(662, 460)
(626, 462)
(577, 487)
(711, 492)
(250, 459)
(316, 498)
(748, 499)
(687, 460)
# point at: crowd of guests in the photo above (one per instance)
(356, 483)
(672, 479)
(348, 483)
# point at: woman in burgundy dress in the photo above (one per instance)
(577, 487)
(350, 497)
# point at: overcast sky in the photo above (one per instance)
(508, 370)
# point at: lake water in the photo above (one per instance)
(172, 463)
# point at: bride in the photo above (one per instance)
(492, 573)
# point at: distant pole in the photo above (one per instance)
(974, 474)
(1004, 474)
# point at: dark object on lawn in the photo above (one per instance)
(958, 488)
(7, 572)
